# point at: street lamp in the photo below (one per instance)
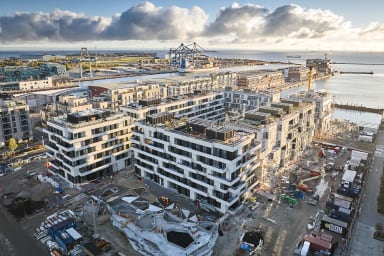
(42, 140)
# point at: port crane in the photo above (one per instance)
(185, 54)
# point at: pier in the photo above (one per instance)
(357, 72)
(359, 108)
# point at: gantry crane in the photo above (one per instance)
(185, 54)
(85, 57)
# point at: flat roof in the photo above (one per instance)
(335, 221)
(73, 233)
(349, 175)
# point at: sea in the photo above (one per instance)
(355, 89)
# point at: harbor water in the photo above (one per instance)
(354, 89)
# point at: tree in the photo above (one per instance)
(12, 145)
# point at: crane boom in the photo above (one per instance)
(309, 79)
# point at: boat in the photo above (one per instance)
(198, 70)
(186, 67)
(293, 56)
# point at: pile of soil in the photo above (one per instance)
(22, 207)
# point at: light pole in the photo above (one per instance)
(42, 140)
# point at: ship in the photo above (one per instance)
(293, 56)
(186, 67)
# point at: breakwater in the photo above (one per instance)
(359, 108)
(357, 72)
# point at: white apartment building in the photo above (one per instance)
(209, 106)
(241, 100)
(85, 145)
(72, 103)
(197, 158)
(283, 130)
(36, 84)
(323, 110)
(15, 121)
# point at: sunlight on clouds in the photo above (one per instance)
(234, 26)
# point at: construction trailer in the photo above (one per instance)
(334, 225)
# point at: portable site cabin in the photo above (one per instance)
(348, 178)
(334, 225)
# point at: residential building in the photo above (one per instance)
(197, 158)
(26, 86)
(88, 144)
(15, 121)
(284, 130)
(72, 103)
(242, 100)
(323, 110)
(209, 106)
(260, 79)
(297, 74)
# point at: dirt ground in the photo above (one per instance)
(282, 226)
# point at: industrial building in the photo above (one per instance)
(18, 73)
(15, 121)
(197, 158)
(53, 70)
(322, 66)
(85, 145)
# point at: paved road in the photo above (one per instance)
(362, 242)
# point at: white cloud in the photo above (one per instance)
(253, 26)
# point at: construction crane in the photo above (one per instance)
(309, 78)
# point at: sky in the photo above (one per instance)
(351, 25)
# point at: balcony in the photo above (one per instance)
(237, 190)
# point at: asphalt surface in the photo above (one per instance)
(16, 241)
(362, 241)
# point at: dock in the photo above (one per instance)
(359, 108)
(357, 72)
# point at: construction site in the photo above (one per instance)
(272, 222)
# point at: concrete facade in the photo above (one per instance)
(86, 145)
(241, 100)
(15, 121)
(260, 79)
(197, 158)
(209, 106)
